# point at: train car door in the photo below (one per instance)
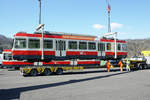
(60, 48)
(101, 49)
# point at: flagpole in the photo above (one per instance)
(109, 27)
(108, 11)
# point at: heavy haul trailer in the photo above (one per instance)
(58, 67)
(48, 68)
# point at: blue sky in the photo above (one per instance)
(130, 18)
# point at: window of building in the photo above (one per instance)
(91, 45)
(34, 43)
(83, 45)
(119, 47)
(48, 44)
(20, 43)
(72, 45)
(101, 47)
(108, 46)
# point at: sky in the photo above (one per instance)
(130, 18)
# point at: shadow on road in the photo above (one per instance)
(14, 93)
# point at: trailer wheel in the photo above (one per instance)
(33, 72)
(140, 66)
(59, 71)
(145, 66)
(47, 72)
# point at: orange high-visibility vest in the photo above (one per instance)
(120, 63)
(108, 64)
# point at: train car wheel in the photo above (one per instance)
(59, 71)
(47, 72)
(33, 72)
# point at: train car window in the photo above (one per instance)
(48, 44)
(91, 45)
(83, 45)
(34, 43)
(119, 47)
(56, 45)
(108, 46)
(101, 47)
(72, 44)
(7, 56)
(124, 47)
(64, 45)
(20, 43)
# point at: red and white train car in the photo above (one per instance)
(9, 62)
(65, 47)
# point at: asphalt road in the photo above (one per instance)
(94, 84)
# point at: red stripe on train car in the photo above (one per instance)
(37, 35)
(28, 52)
(7, 50)
(108, 40)
(118, 53)
(16, 63)
(121, 53)
(109, 53)
(49, 52)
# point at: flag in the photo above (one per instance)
(108, 8)
(107, 1)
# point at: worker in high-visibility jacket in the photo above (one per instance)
(128, 65)
(121, 65)
(108, 65)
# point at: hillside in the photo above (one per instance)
(134, 46)
(5, 43)
(137, 45)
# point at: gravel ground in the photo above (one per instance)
(90, 84)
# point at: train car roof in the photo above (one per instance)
(62, 35)
(59, 36)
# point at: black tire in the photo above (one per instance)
(59, 71)
(47, 72)
(33, 72)
(145, 66)
(140, 66)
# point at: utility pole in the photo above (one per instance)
(39, 12)
(41, 27)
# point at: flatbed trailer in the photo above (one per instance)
(58, 67)
(53, 67)
(47, 70)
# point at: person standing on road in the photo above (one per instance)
(121, 65)
(128, 65)
(108, 66)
